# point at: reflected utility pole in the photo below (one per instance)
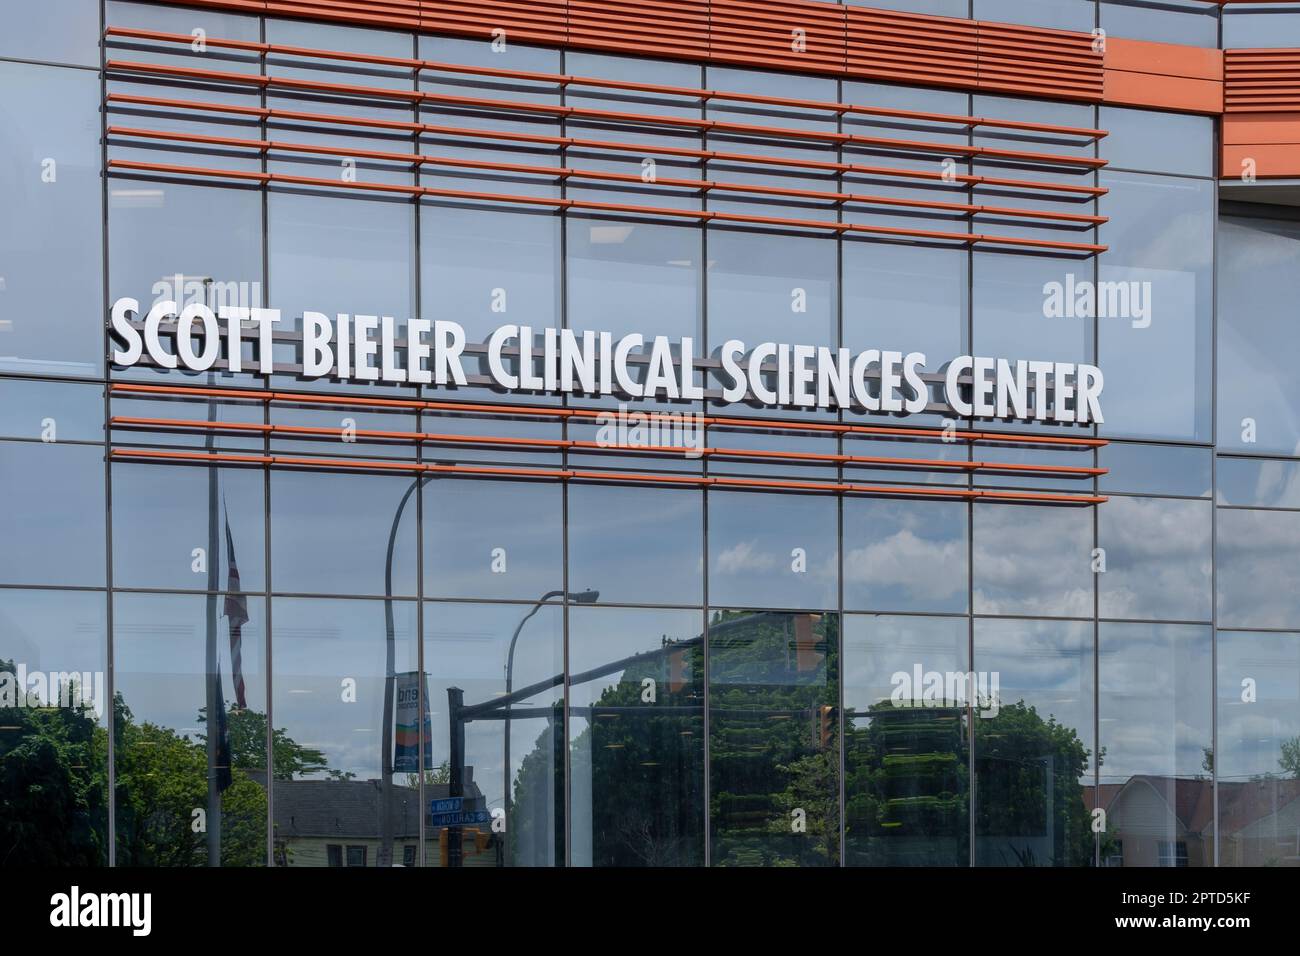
(390, 678)
(581, 597)
(215, 704)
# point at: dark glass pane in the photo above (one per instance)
(906, 757)
(495, 685)
(339, 668)
(1033, 754)
(191, 793)
(774, 739)
(1154, 711)
(636, 737)
(53, 728)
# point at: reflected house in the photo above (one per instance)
(1169, 821)
(340, 823)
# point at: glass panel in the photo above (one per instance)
(51, 291)
(180, 526)
(53, 411)
(158, 255)
(905, 555)
(1259, 743)
(636, 737)
(1158, 559)
(1259, 482)
(53, 520)
(635, 277)
(1033, 754)
(773, 550)
(334, 773)
(1258, 288)
(177, 659)
(1046, 572)
(1257, 25)
(330, 533)
(766, 288)
(496, 675)
(885, 281)
(637, 545)
(1258, 563)
(946, 8)
(1156, 358)
(907, 774)
(53, 728)
(774, 739)
(1156, 469)
(1156, 773)
(493, 539)
(1062, 14)
(1189, 22)
(1153, 142)
(58, 31)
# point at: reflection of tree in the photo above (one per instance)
(162, 790)
(1028, 772)
(908, 786)
(645, 763)
(537, 831)
(1290, 759)
(247, 732)
(774, 739)
(53, 783)
(909, 793)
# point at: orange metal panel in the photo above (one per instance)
(1242, 129)
(1151, 91)
(1163, 59)
(1271, 161)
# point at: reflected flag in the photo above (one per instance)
(237, 614)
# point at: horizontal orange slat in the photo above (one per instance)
(840, 39)
(564, 411)
(568, 444)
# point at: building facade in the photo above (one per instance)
(441, 433)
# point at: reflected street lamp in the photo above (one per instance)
(575, 597)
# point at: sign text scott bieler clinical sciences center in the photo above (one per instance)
(370, 348)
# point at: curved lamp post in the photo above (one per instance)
(578, 597)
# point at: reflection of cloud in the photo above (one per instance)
(1259, 568)
(916, 565)
(744, 556)
(1157, 558)
(1033, 560)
